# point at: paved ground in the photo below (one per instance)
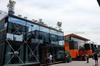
(79, 63)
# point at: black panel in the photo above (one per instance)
(76, 45)
(73, 45)
(99, 46)
(92, 47)
(87, 46)
(2, 24)
(1, 53)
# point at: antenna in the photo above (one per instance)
(59, 24)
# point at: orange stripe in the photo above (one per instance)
(67, 46)
(89, 52)
(74, 53)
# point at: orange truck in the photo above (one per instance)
(72, 43)
(77, 54)
(73, 47)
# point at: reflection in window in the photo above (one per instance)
(33, 33)
(44, 34)
(25, 38)
(61, 38)
(54, 37)
(67, 38)
(16, 29)
(80, 42)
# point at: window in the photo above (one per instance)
(44, 34)
(21, 36)
(53, 37)
(61, 38)
(80, 42)
(16, 29)
(32, 33)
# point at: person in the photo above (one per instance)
(70, 58)
(92, 55)
(95, 56)
(50, 59)
(67, 58)
(47, 58)
(98, 55)
(87, 58)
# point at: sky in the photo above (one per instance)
(81, 17)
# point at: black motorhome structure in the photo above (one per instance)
(24, 42)
(91, 46)
(98, 2)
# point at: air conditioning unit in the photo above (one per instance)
(55, 28)
(51, 26)
(20, 15)
(32, 20)
(45, 24)
(40, 20)
(41, 23)
(25, 17)
(35, 20)
(60, 29)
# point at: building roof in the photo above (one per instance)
(77, 36)
(3, 15)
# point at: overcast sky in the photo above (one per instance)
(81, 17)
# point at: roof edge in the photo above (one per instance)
(77, 36)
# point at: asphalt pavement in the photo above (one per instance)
(79, 63)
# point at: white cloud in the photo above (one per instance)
(76, 15)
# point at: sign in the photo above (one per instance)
(17, 29)
(32, 53)
(16, 52)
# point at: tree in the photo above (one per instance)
(68, 52)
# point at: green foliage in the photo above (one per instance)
(68, 52)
